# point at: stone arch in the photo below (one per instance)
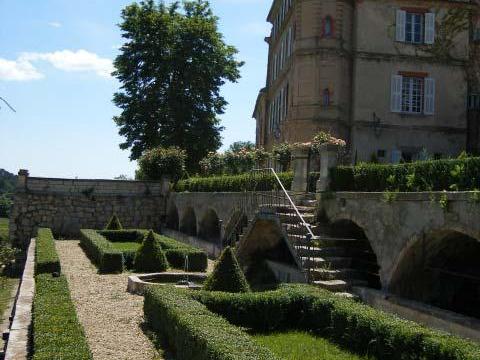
(353, 244)
(188, 224)
(210, 227)
(172, 221)
(441, 268)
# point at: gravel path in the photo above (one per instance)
(110, 315)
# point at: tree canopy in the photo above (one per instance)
(171, 68)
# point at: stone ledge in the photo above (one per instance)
(17, 345)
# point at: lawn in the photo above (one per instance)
(126, 246)
(296, 345)
(3, 229)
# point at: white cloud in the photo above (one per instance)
(19, 70)
(257, 28)
(74, 61)
(24, 69)
(55, 24)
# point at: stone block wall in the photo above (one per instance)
(68, 205)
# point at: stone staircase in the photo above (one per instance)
(335, 263)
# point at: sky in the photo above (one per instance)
(55, 61)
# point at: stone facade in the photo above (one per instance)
(68, 205)
(332, 65)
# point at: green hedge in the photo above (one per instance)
(195, 333)
(57, 333)
(175, 251)
(434, 175)
(101, 252)
(233, 183)
(356, 326)
(46, 258)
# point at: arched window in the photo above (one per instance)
(327, 29)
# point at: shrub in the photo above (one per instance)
(150, 256)
(356, 326)
(227, 274)
(46, 258)
(101, 252)
(57, 333)
(243, 182)
(175, 251)
(195, 333)
(114, 223)
(159, 162)
(432, 175)
(283, 154)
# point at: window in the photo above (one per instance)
(326, 97)
(415, 27)
(327, 29)
(413, 94)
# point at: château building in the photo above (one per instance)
(390, 77)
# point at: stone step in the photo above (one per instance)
(319, 252)
(327, 262)
(337, 274)
(293, 218)
(332, 285)
(325, 241)
(301, 209)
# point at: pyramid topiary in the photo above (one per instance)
(227, 275)
(114, 223)
(150, 256)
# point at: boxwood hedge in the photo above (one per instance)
(175, 251)
(46, 258)
(434, 175)
(195, 333)
(233, 183)
(101, 251)
(358, 327)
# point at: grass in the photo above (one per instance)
(126, 246)
(295, 345)
(3, 229)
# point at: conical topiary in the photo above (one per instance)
(114, 223)
(227, 275)
(150, 256)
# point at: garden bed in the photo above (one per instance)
(113, 250)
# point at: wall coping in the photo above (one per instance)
(97, 180)
(17, 345)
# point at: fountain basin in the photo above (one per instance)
(138, 283)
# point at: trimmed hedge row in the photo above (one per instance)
(234, 183)
(175, 251)
(193, 331)
(433, 175)
(358, 327)
(57, 333)
(101, 251)
(46, 258)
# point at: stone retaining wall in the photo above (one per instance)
(67, 205)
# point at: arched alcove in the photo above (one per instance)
(441, 269)
(188, 225)
(354, 245)
(210, 226)
(172, 217)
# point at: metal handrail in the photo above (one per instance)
(292, 204)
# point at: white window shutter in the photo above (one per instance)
(429, 97)
(400, 25)
(396, 93)
(429, 28)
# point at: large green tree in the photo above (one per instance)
(171, 68)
